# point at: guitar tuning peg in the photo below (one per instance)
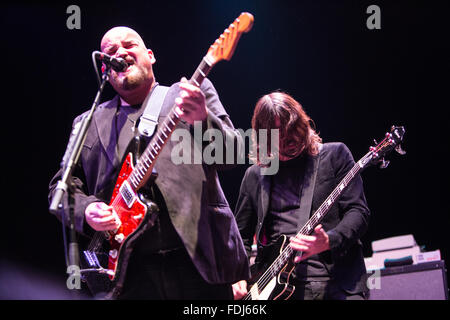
(384, 163)
(399, 149)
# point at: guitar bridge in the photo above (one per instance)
(91, 259)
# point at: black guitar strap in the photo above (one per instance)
(309, 182)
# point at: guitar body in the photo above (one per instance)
(136, 213)
(275, 286)
(142, 212)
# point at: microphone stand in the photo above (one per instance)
(65, 184)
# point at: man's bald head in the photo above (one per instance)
(135, 82)
(120, 31)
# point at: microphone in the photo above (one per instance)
(117, 64)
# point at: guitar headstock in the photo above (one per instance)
(391, 141)
(223, 48)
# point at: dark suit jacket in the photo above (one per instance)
(345, 222)
(195, 201)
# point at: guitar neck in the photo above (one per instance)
(142, 170)
(315, 219)
(320, 213)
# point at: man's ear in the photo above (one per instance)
(152, 56)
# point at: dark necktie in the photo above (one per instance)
(126, 118)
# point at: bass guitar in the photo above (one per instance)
(273, 280)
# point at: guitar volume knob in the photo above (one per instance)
(119, 237)
(113, 253)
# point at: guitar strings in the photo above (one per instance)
(99, 235)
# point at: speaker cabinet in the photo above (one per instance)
(424, 281)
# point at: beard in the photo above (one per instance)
(132, 80)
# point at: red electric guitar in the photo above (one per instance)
(133, 208)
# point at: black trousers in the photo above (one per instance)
(169, 275)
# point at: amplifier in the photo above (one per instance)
(423, 281)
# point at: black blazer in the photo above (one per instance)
(195, 201)
(345, 222)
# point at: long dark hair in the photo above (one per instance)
(278, 110)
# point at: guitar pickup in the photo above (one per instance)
(127, 194)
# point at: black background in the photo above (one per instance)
(354, 82)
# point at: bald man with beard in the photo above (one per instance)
(194, 250)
